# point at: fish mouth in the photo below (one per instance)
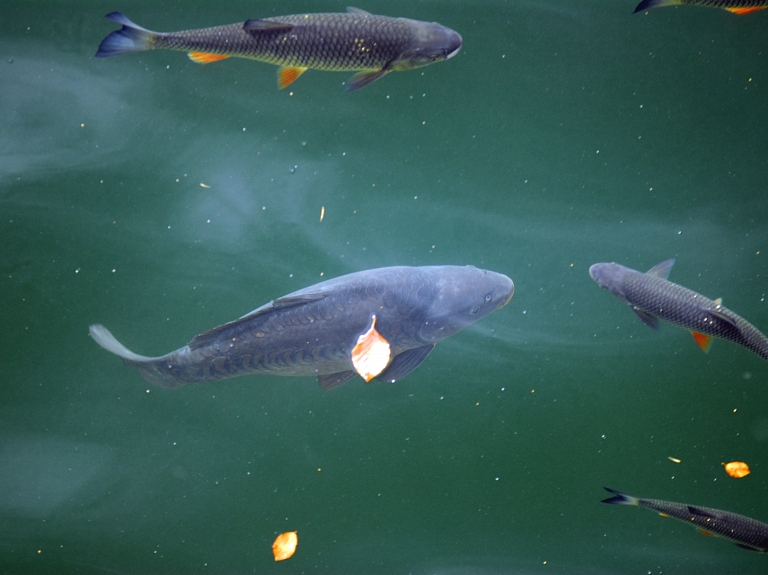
(452, 54)
(511, 293)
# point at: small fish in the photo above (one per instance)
(313, 331)
(336, 42)
(745, 532)
(739, 7)
(652, 297)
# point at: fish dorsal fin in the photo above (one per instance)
(331, 380)
(646, 318)
(362, 79)
(353, 10)
(279, 304)
(256, 26)
(404, 363)
(700, 512)
(744, 11)
(662, 270)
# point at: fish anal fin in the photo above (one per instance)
(331, 380)
(707, 533)
(206, 57)
(745, 11)
(362, 79)
(646, 318)
(404, 363)
(703, 340)
(287, 75)
(256, 26)
(662, 270)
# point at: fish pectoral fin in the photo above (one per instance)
(749, 548)
(353, 10)
(719, 314)
(700, 512)
(707, 533)
(206, 57)
(287, 75)
(745, 11)
(662, 270)
(704, 341)
(291, 301)
(255, 26)
(646, 318)
(362, 79)
(331, 380)
(404, 363)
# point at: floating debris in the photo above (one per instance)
(737, 469)
(285, 545)
(371, 353)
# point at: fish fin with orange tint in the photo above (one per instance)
(371, 353)
(663, 514)
(707, 533)
(703, 340)
(206, 57)
(745, 11)
(287, 75)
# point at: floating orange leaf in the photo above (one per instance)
(736, 469)
(285, 545)
(371, 353)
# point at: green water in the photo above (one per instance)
(162, 198)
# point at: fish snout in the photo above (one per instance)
(454, 44)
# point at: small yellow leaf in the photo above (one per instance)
(736, 469)
(371, 353)
(285, 545)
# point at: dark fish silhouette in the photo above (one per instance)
(745, 532)
(313, 331)
(739, 7)
(651, 296)
(353, 41)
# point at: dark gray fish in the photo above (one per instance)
(740, 7)
(312, 331)
(652, 297)
(745, 532)
(337, 42)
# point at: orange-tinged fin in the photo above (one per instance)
(744, 11)
(206, 57)
(703, 340)
(664, 514)
(287, 75)
(707, 533)
(371, 353)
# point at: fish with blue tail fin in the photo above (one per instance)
(652, 297)
(739, 7)
(315, 331)
(744, 531)
(354, 41)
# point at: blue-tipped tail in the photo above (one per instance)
(620, 498)
(648, 4)
(130, 38)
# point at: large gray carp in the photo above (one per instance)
(353, 41)
(313, 331)
(652, 297)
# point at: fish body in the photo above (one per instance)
(740, 7)
(349, 41)
(652, 297)
(744, 531)
(313, 331)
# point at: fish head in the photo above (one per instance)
(610, 277)
(463, 296)
(431, 43)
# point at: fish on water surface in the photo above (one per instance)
(314, 330)
(744, 531)
(739, 7)
(652, 297)
(353, 41)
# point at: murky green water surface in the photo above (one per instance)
(162, 198)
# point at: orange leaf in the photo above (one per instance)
(371, 353)
(736, 469)
(285, 545)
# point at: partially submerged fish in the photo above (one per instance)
(745, 532)
(337, 42)
(314, 330)
(652, 297)
(739, 7)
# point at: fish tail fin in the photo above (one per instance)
(151, 368)
(130, 38)
(620, 498)
(648, 4)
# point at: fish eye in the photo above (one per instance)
(488, 297)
